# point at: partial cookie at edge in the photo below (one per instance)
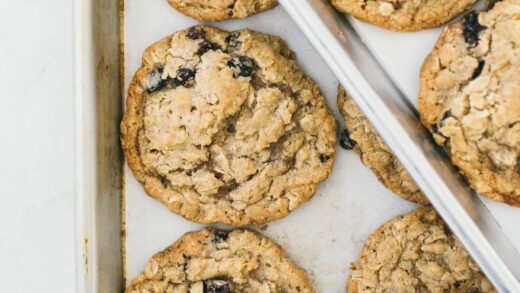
(215, 10)
(470, 101)
(404, 15)
(212, 260)
(416, 251)
(375, 153)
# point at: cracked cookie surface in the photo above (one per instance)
(404, 15)
(216, 261)
(215, 10)
(374, 152)
(416, 253)
(470, 99)
(225, 127)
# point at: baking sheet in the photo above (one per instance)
(325, 235)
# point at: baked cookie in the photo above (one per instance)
(214, 10)
(416, 253)
(361, 136)
(225, 127)
(404, 15)
(215, 261)
(470, 99)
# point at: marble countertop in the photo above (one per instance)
(36, 147)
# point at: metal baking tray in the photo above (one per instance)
(118, 227)
(98, 159)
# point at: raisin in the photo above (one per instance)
(219, 236)
(185, 77)
(479, 69)
(244, 65)
(155, 81)
(472, 29)
(233, 41)
(205, 46)
(345, 141)
(217, 286)
(195, 33)
(324, 158)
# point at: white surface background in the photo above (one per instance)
(36, 144)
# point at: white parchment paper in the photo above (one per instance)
(325, 235)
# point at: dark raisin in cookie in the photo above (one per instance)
(361, 136)
(470, 98)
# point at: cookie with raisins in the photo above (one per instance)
(470, 98)
(225, 127)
